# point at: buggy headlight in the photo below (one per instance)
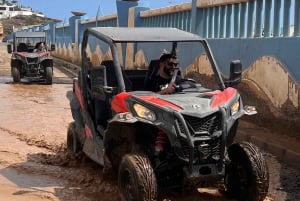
(18, 57)
(235, 107)
(144, 112)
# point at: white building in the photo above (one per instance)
(8, 11)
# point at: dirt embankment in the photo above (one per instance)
(280, 123)
(19, 21)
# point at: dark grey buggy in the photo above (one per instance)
(155, 143)
(28, 63)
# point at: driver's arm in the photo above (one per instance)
(170, 89)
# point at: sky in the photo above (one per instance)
(61, 9)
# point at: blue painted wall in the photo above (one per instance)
(245, 31)
(285, 50)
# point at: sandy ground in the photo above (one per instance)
(34, 164)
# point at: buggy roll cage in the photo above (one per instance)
(113, 35)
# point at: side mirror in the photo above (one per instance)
(235, 76)
(52, 47)
(9, 48)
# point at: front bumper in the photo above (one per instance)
(202, 143)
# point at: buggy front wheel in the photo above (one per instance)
(49, 75)
(16, 74)
(136, 178)
(246, 174)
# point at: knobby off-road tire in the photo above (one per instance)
(49, 75)
(15, 74)
(136, 179)
(247, 175)
(73, 144)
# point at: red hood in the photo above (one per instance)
(118, 103)
(25, 54)
(220, 97)
(207, 101)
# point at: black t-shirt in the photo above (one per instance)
(156, 83)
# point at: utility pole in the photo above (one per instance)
(194, 16)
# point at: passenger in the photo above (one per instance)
(41, 48)
(161, 82)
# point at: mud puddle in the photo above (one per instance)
(33, 173)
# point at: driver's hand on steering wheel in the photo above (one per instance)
(170, 89)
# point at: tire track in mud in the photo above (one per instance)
(38, 142)
(57, 157)
(81, 176)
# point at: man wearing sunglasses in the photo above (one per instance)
(162, 82)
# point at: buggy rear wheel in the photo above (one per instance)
(246, 175)
(73, 144)
(15, 74)
(136, 179)
(49, 75)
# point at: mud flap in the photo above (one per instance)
(93, 145)
(93, 149)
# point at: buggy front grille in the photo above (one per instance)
(32, 60)
(202, 126)
(204, 152)
(205, 134)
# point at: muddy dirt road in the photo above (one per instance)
(34, 164)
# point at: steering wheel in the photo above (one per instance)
(186, 83)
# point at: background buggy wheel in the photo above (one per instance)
(15, 74)
(136, 179)
(247, 175)
(49, 75)
(73, 144)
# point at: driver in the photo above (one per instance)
(161, 83)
